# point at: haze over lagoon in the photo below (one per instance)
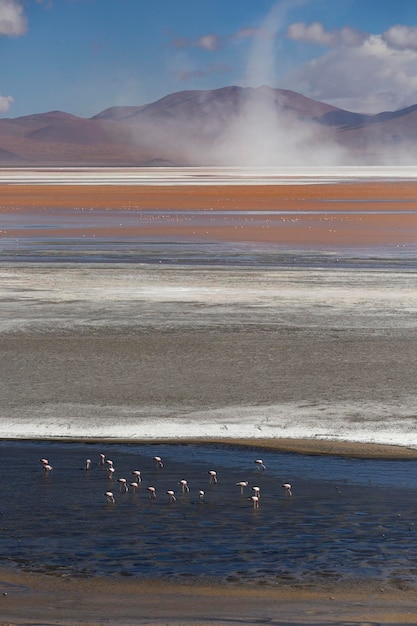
(130, 326)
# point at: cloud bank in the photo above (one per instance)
(360, 72)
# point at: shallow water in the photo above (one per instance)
(347, 518)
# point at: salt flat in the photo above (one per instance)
(148, 352)
(201, 175)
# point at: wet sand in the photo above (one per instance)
(35, 599)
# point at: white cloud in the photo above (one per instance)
(5, 102)
(316, 33)
(368, 77)
(208, 42)
(12, 18)
(401, 37)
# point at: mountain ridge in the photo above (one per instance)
(226, 126)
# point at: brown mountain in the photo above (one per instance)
(228, 126)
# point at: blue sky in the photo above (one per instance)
(83, 56)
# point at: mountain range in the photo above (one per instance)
(228, 126)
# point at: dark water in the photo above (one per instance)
(205, 253)
(347, 518)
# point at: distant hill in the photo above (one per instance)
(227, 126)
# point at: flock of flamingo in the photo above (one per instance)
(134, 485)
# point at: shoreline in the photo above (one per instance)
(29, 598)
(305, 446)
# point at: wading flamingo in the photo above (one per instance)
(242, 485)
(184, 486)
(152, 493)
(287, 488)
(110, 497)
(257, 491)
(123, 485)
(260, 464)
(213, 477)
(158, 462)
(255, 501)
(136, 474)
(171, 495)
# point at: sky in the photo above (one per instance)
(84, 56)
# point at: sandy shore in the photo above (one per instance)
(37, 599)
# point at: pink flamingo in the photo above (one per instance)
(184, 486)
(87, 465)
(123, 485)
(110, 472)
(152, 493)
(158, 462)
(137, 475)
(134, 486)
(171, 495)
(110, 497)
(102, 460)
(260, 464)
(255, 501)
(287, 488)
(213, 477)
(242, 485)
(257, 491)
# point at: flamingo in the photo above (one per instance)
(184, 486)
(152, 493)
(158, 462)
(110, 497)
(110, 472)
(255, 501)
(137, 475)
(87, 465)
(171, 495)
(242, 485)
(257, 491)
(287, 488)
(102, 459)
(47, 468)
(109, 462)
(260, 464)
(201, 495)
(123, 485)
(213, 477)
(134, 486)
(44, 461)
